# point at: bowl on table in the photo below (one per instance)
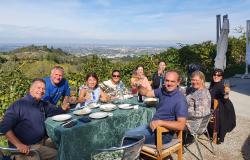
(150, 102)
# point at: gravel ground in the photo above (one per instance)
(235, 147)
(237, 143)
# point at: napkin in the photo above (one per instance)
(84, 119)
(136, 106)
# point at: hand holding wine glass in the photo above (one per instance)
(226, 83)
(226, 88)
(73, 95)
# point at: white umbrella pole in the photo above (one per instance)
(247, 46)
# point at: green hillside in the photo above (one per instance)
(19, 66)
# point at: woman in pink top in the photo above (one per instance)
(138, 78)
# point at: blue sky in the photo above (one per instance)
(117, 21)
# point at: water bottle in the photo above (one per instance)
(140, 98)
(161, 81)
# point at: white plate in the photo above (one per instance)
(98, 115)
(108, 107)
(61, 117)
(127, 96)
(93, 105)
(82, 111)
(125, 106)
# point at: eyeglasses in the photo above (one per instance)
(217, 75)
(116, 76)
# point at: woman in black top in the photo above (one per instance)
(158, 77)
(216, 87)
(224, 114)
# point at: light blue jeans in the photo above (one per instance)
(149, 135)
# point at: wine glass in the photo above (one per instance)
(226, 87)
(73, 96)
(226, 83)
(73, 92)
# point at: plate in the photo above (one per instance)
(82, 111)
(125, 106)
(61, 117)
(98, 115)
(127, 96)
(108, 107)
(93, 105)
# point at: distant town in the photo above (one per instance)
(102, 50)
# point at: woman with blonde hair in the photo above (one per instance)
(199, 101)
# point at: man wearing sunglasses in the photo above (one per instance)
(113, 85)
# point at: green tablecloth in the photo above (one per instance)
(78, 142)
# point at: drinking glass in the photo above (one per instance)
(226, 83)
(226, 88)
(73, 92)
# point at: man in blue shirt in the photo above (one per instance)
(57, 87)
(23, 122)
(171, 112)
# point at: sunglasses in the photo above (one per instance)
(116, 76)
(217, 75)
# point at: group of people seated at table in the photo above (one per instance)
(23, 122)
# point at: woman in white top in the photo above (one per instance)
(114, 85)
(91, 92)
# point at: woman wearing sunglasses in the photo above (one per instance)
(114, 85)
(217, 88)
(224, 114)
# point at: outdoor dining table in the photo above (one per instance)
(79, 141)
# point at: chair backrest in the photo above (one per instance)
(203, 125)
(133, 150)
(129, 152)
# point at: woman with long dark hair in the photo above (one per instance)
(91, 92)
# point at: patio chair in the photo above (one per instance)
(160, 150)
(9, 153)
(202, 130)
(124, 152)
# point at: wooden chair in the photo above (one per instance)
(160, 151)
(214, 120)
